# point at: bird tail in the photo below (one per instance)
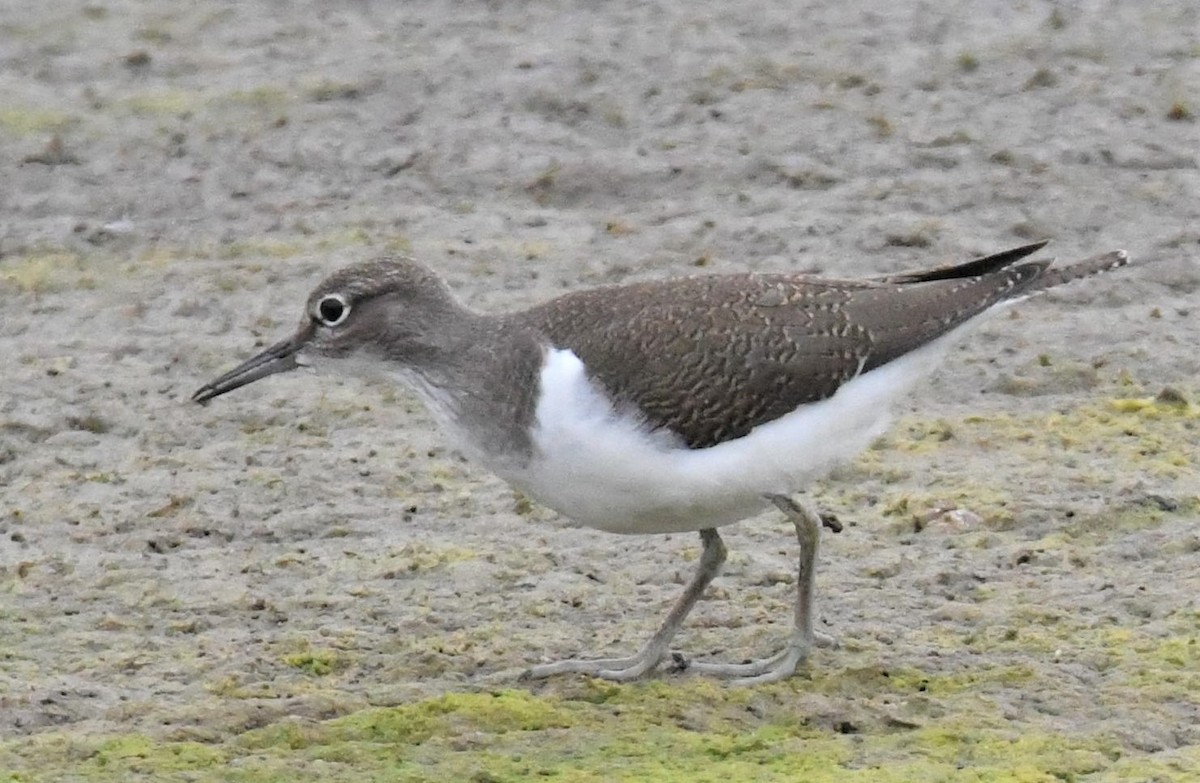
(1050, 277)
(1059, 275)
(974, 268)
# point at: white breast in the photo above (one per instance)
(603, 468)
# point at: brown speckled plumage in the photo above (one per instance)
(712, 357)
(708, 358)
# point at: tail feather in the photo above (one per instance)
(973, 268)
(1058, 275)
(1051, 277)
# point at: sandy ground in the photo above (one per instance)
(176, 178)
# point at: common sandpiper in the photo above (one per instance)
(662, 407)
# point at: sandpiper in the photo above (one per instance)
(661, 407)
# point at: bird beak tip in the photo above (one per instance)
(280, 357)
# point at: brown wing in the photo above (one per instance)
(710, 358)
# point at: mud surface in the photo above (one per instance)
(177, 177)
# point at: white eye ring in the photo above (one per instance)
(332, 310)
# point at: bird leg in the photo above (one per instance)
(783, 665)
(623, 669)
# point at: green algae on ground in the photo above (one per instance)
(598, 732)
(1129, 426)
(45, 271)
(130, 751)
(1153, 436)
(27, 120)
(172, 102)
(855, 723)
(317, 662)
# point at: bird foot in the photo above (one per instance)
(778, 667)
(615, 669)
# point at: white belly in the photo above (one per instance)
(603, 469)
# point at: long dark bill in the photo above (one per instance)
(280, 357)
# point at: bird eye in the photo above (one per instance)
(332, 310)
